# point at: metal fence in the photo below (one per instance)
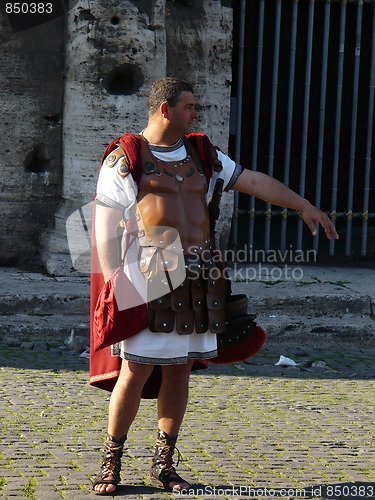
(304, 114)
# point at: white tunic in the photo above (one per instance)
(149, 347)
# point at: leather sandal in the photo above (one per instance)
(111, 465)
(162, 472)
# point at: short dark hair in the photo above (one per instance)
(166, 90)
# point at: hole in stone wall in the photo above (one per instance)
(125, 80)
(115, 20)
(36, 160)
(85, 15)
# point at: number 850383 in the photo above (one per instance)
(28, 8)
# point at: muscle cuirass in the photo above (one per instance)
(173, 194)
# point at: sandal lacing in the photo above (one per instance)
(111, 464)
(162, 471)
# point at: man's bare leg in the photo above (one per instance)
(124, 404)
(173, 397)
(172, 401)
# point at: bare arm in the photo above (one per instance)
(272, 191)
(106, 222)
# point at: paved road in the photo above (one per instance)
(251, 430)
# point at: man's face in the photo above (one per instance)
(181, 117)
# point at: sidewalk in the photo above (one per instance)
(251, 430)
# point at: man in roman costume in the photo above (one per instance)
(158, 184)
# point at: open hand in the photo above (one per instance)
(312, 216)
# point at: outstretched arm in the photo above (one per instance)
(272, 191)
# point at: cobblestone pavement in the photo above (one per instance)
(251, 429)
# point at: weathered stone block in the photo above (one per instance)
(72, 85)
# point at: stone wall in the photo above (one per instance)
(57, 122)
(31, 87)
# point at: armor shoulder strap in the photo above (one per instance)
(205, 150)
(111, 160)
(130, 144)
(193, 152)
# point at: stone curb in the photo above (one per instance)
(355, 288)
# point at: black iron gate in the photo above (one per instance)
(304, 95)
